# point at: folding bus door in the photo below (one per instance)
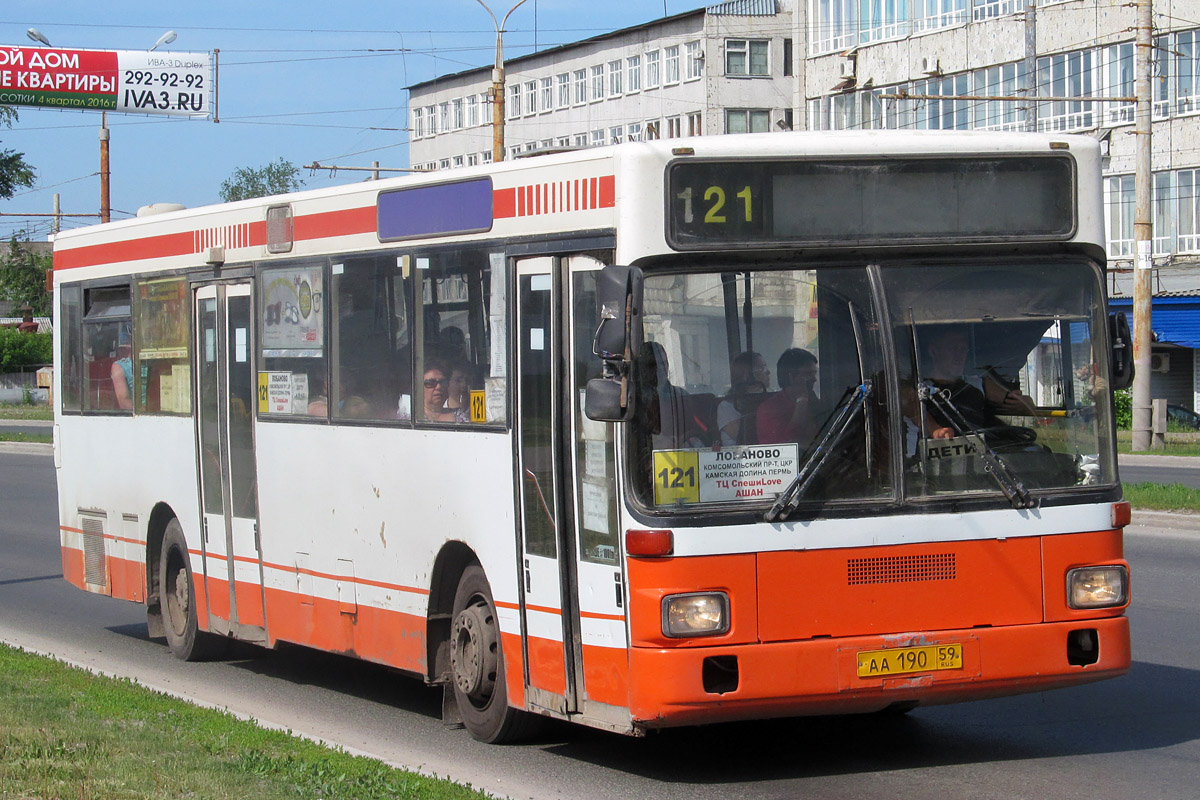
(573, 609)
(225, 394)
(549, 671)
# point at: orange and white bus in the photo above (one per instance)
(661, 434)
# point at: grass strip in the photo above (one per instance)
(25, 411)
(66, 733)
(1162, 496)
(39, 438)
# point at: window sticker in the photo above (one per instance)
(752, 472)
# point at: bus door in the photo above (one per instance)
(225, 400)
(549, 668)
(574, 623)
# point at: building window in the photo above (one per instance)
(486, 156)
(787, 57)
(1188, 190)
(653, 63)
(472, 111)
(695, 124)
(581, 140)
(614, 78)
(1120, 199)
(695, 61)
(939, 114)
(514, 101)
(580, 86)
(597, 82)
(1117, 74)
(431, 127)
(444, 117)
(547, 85)
(418, 123)
(674, 127)
(1066, 75)
(530, 97)
(472, 159)
(444, 164)
(671, 65)
(1003, 80)
(456, 113)
(653, 130)
(747, 120)
(485, 100)
(616, 134)
(564, 141)
(564, 89)
(747, 57)
(633, 132)
(597, 138)
(458, 161)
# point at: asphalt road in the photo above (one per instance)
(1138, 736)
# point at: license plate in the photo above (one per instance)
(905, 660)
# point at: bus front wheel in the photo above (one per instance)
(178, 601)
(477, 665)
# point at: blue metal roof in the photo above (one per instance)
(1172, 319)
(744, 8)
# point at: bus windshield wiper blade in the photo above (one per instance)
(993, 464)
(789, 498)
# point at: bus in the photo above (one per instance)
(645, 436)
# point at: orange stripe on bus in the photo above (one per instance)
(597, 615)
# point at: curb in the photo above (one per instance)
(27, 448)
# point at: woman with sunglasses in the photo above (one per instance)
(436, 386)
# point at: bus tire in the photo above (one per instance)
(178, 601)
(477, 665)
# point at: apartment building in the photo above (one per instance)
(763, 65)
(722, 69)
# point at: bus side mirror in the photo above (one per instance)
(619, 295)
(618, 337)
(1122, 351)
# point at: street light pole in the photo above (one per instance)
(498, 82)
(104, 171)
(1143, 290)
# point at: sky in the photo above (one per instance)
(303, 80)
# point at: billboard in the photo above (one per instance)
(127, 81)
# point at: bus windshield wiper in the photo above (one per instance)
(852, 404)
(993, 464)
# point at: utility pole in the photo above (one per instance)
(1143, 290)
(498, 83)
(104, 205)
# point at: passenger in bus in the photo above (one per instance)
(670, 416)
(790, 415)
(122, 370)
(458, 394)
(750, 377)
(978, 397)
(435, 384)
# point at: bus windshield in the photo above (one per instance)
(880, 384)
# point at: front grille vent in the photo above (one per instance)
(901, 569)
(94, 572)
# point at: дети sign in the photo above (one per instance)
(135, 82)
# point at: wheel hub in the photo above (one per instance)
(474, 657)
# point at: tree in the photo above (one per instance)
(23, 277)
(15, 173)
(278, 177)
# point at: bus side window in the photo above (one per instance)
(372, 368)
(161, 361)
(292, 376)
(107, 349)
(461, 333)
(70, 320)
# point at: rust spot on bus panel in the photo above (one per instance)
(375, 489)
(382, 538)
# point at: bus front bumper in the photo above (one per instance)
(692, 685)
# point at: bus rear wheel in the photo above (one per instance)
(178, 601)
(477, 665)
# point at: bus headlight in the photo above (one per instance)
(1097, 587)
(696, 614)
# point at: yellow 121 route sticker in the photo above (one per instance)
(676, 477)
(723, 474)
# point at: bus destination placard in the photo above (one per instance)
(723, 474)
